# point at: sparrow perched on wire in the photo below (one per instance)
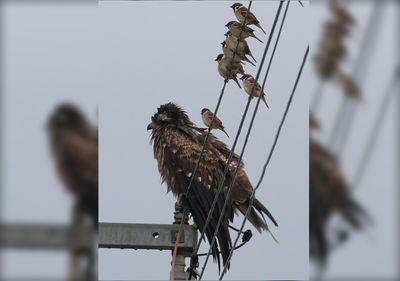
(232, 41)
(239, 57)
(248, 82)
(241, 12)
(235, 28)
(228, 70)
(207, 117)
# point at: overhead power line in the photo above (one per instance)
(376, 128)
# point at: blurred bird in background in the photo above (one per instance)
(74, 146)
(329, 194)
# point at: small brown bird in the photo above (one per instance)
(232, 41)
(224, 63)
(241, 13)
(239, 57)
(350, 86)
(235, 28)
(74, 146)
(207, 117)
(248, 82)
(341, 13)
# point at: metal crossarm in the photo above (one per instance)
(40, 236)
(146, 236)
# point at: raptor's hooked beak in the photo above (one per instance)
(150, 126)
(232, 7)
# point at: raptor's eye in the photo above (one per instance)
(163, 117)
(62, 118)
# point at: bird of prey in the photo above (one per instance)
(241, 12)
(329, 194)
(74, 147)
(235, 28)
(248, 83)
(207, 117)
(177, 144)
(243, 47)
(239, 57)
(227, 69)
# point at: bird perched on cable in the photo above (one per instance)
(242, 13)
(248, 82)
(235, 28)
(177, 145)
(329, 194)
(232, 41)
(208, 116)
(74, 146)
(227, 69)
(239, 57)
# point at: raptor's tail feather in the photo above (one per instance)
(262, 209)
(258, 222)
(355, 214)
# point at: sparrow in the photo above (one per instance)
(239, 57)
(241, 12)
(235, 28)
(224, 63)
(232, 41)
(207, 117)
(342, 14)
(248, 82)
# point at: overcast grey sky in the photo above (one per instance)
(125, 57)
(130, 65)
